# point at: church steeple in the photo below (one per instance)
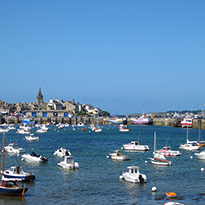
(39, 97)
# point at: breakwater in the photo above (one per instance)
(100, 121)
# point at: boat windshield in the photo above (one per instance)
(69, 160)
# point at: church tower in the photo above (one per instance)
(39, 97)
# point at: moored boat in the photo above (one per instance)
(68, 163)
(200, 155)
(118, 155)
(16, 172)
(13, 148)
(135, 146)
(187, 122)
(123, 128)
(133, 175)
(9, 186)
(61, 152)
(142, 120)
(166, 151)
(33, 157)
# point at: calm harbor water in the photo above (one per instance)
(97, 180)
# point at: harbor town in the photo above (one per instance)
(59, 111)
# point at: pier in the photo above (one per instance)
(92, 120)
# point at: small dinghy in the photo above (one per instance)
(117, 155)
(133, 175)
(33, 157)
(61, 152)
(69, 163)
(171, 195)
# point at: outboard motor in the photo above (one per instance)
(44, 159)
(141, 178)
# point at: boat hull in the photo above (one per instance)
(13, 191)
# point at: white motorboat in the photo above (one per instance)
(134, 146)
(31, 138)
(3, 130)
(24, 127)
(14, 149)
(22, 131)
(133, 175)
(200, 155)
(16, 172)
(41, 131)
(123, 128)
(166, 151)
(68, 163)
(117, 155)
(11, 127)
(33, 157)
(190, 146)
(61, 152)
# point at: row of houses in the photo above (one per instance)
(54, 108)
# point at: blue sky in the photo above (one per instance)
(121, 56)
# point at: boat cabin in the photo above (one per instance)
(133, 169)
(69, 160)
(134, 143)
(15, 170)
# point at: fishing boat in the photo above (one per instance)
(142, 120)
(187, 122)
(33, 157)
(135, 146)
(123, 128)
(133, 175)
(166, 151)
(61, 152)
(9, 186)
(117, 120)
(118, 155)
(159, 159)
(14, 149)
(68, 163)
(16, 172)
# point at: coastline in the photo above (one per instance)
(101, 121)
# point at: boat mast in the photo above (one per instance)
(3, 156)
(154, 142)
(199, 129)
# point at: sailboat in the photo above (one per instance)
(200, 143)
(159, 159)
(190, 145)
(9, 186)
(98, 129)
